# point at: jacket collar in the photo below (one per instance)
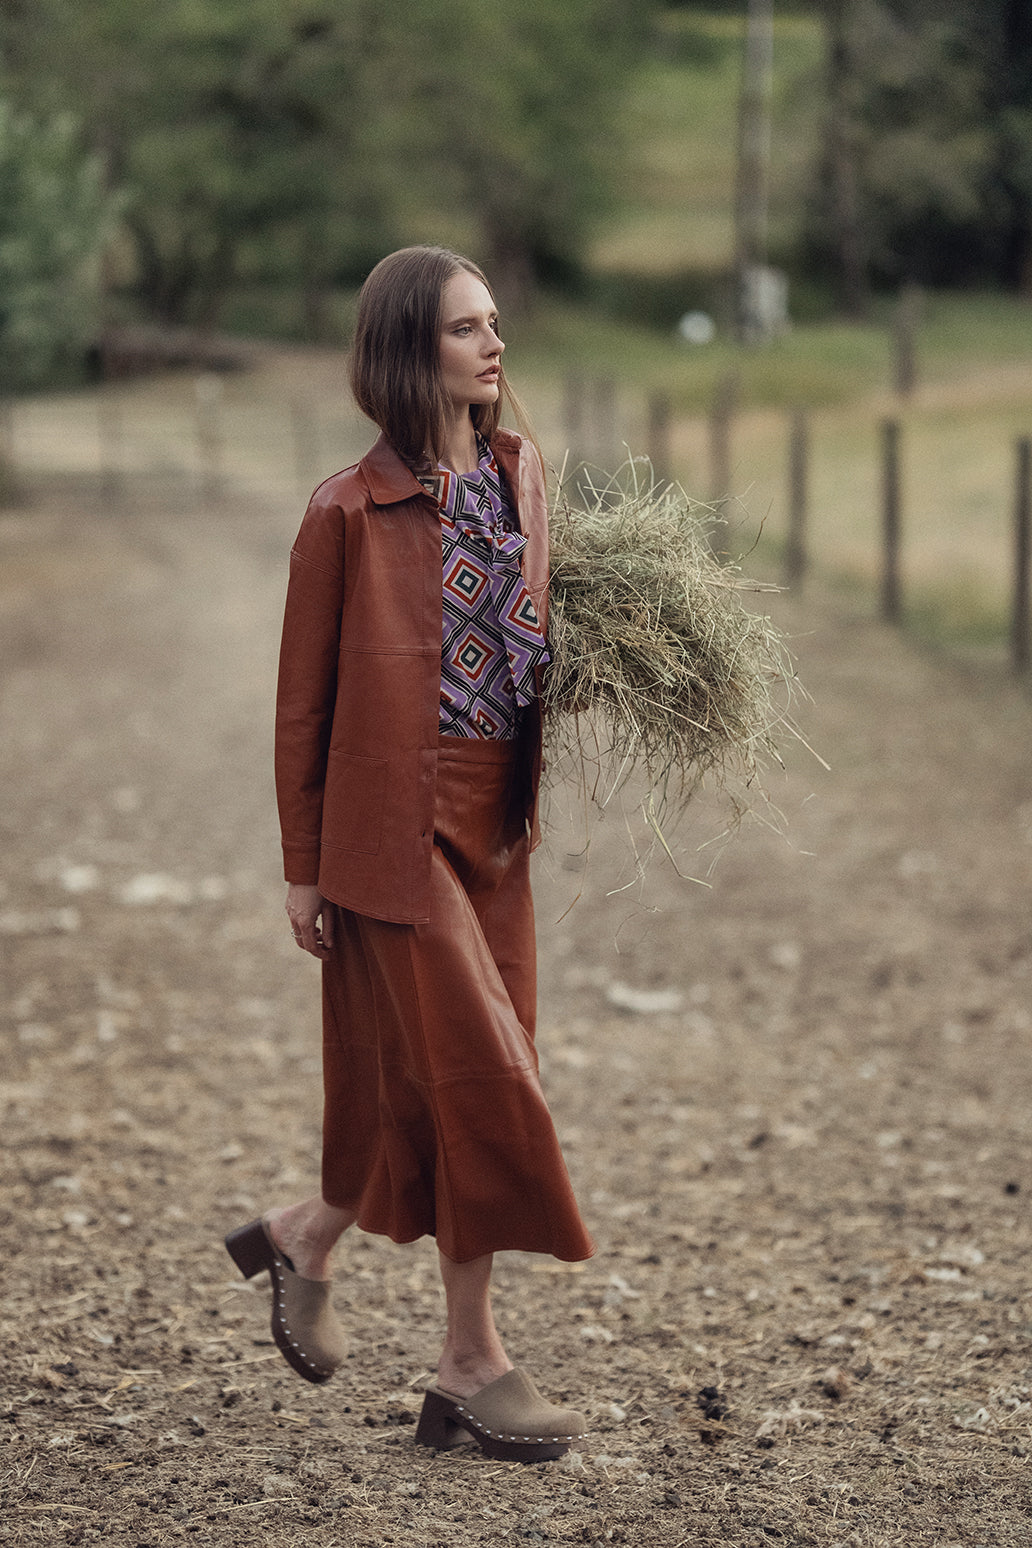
(506, 448)
(389, 479)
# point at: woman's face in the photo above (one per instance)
(470, 349)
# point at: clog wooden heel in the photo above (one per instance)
(508, 1419)
(303, 1322)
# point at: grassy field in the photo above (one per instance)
(675, 210)
(973, 399)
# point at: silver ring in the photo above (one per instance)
(296, 934)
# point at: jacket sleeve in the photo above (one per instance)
(307, 687)
(532, 498)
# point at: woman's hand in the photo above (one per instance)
(305, 906)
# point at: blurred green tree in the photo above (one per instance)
(303, 134)
(518, 109)
(925, 169)
(55, 217)
(1008, 73)
(227, 123)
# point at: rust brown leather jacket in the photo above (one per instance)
(360, 680)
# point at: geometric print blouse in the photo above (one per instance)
(492, 640)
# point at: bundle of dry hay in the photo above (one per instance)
(657, 666)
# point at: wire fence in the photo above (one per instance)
(931, 512)
(818, 492)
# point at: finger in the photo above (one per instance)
(327, 928)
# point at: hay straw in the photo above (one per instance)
(657, 666)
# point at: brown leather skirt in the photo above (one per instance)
(435, 1122)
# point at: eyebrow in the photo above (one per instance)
(457, 322)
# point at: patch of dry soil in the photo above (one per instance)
(795, 1106)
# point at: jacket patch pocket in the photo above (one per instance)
(353, 803)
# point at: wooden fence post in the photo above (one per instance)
(607, 437)
(798, 481)
(721, 419)
(208, 403)
(8, 481)
(1021, 645)
(891, 604)
(658, 437)
(305, 428)
(904, 333)
(574, 394)
(111, 427)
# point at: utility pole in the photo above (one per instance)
(840, 153)
(753, 171)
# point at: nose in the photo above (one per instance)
(493, 344)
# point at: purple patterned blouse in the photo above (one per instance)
(492, 639)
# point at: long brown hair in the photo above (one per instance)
(394, 366)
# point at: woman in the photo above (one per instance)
(408, 755)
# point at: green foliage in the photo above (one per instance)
(302, 138)
(936, 119)
(513, 114)
(54, 217)
(235, 129)
(928, 150)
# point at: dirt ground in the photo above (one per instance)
(795, 1104)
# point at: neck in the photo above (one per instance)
(459, 451)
